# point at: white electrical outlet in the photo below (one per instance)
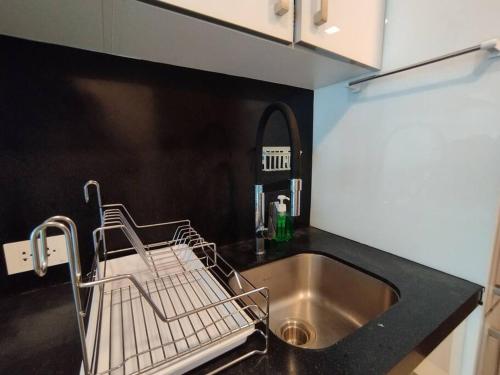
(18, 257)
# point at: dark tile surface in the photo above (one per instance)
(39, 333)
(169, 142)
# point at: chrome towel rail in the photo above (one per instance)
(492, 46)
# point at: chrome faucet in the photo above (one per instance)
(295, 182)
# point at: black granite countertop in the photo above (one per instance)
(39, 334)
(431, 305)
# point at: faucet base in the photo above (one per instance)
(260, 248)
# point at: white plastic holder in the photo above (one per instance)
(492, 46)
(276, 158)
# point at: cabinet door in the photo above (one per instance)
(351, 29)
(75, 23)
(490, 347)
(490, 359)
(493, 295)
(272, 18)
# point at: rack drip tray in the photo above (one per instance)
(125, 336)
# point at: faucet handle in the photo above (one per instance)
(295, 189)
(261, 232)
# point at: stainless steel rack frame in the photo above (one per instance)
(167, 303)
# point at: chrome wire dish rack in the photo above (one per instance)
(165, 307)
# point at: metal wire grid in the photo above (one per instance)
(117, 218)
(144, 321)
(184, 299)
(209, 314)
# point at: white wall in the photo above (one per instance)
(411, 164)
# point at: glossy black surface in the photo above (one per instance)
(169, 142)
(432, 304)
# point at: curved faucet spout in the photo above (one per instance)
(293, 133)
(295, 181)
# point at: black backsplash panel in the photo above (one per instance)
(168, 142)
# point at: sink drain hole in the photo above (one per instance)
(296, 332)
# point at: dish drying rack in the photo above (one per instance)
(168, 307)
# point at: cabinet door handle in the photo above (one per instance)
(282, 7)
(321, 16)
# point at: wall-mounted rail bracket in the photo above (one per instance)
(354, 88)
(492, 46)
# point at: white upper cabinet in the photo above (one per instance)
(235, 37)
(273, 18)
(75, 23)
(143, 31)
(350, 29)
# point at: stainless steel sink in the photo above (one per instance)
(315, 301)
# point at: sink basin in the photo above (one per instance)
(316, 301)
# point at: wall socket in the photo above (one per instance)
(18, 257)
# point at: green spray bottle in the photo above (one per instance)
(284, 230)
